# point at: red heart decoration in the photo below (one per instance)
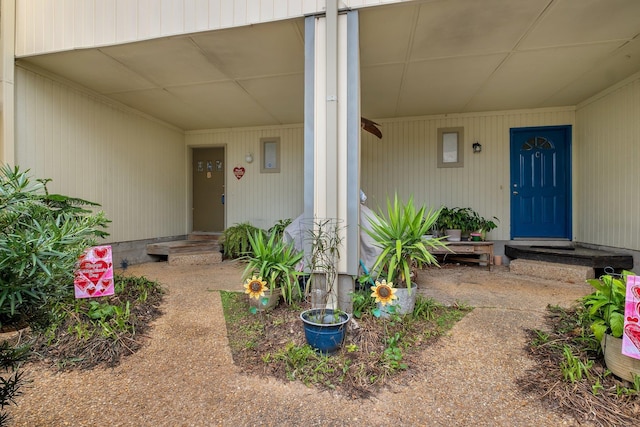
(93, 270)
(238, 171)
(632, 330)
(636, 291)
(91, 290)
(632, 319)
(100, 252)
(82, 283)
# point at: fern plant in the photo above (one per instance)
(235, 239)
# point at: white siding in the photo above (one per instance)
(259, 198)
(132, 166)
(404, 160)
(607, 161)
(44, 26)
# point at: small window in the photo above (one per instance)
(270, 148)
(450, 147)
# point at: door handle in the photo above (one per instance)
(515, 193)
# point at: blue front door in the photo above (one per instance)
(541, 182)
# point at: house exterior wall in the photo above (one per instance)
(405, 160)
(607, 159)
(45, 26)
(133, 166)
(259, 198)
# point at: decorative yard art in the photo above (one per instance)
(94, 275)
(631, 336)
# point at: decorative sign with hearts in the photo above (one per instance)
(94, 274)
(631, 336)
(238, 171)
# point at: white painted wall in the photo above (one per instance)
(607, 162)
(404, 160)
(134, 167)
(259, 198)
(45, 26)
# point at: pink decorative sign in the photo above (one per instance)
(238, 171)
(631, 336)
(94, 275)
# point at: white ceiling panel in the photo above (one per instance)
(569, 22)
(283, 96)
(417, 58)
(149, 59)
(444, 86)
(528, 79)
(471, 27)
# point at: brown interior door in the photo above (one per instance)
(208, 189)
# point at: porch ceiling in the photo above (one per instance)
(417, 58)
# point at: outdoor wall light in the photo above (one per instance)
(248, 158)
(477, 147)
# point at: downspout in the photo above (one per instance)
(332, 105)
(7, 110)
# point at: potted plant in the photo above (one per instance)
(324, 324)
(606, 312)
(400, 235)
(271, 271)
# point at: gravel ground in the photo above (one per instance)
(185, 375)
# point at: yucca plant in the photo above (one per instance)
(276, 262)
(400, 234)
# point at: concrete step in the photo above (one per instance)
(551, 270)
(202, 258)
(205, 235)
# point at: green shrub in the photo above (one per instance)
(41, 237)
(236, 239)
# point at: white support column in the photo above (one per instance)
(7, 68)
(332, 134)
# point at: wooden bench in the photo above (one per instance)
(466, 251)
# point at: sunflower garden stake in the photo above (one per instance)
(255, 288)
(384, 293)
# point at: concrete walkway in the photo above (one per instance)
(186, 376)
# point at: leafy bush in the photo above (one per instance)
(10, 358)
(41, 237)
(236, 239)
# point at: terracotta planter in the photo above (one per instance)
(622, 366)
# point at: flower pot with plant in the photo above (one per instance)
(606, 312)
(399, 233)
(324, 324)
(271, 271)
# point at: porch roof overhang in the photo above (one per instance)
(417, 58)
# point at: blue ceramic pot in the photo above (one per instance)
(325, 329)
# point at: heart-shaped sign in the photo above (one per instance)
(632, 331)
(238, 171)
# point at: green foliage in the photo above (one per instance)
(41, 237)
(278, 228)
(362, 303)
(606, 304)
(573, 368)
(84, 332)
(276, 262)
(10, 359)
(465, 219)
(235, 239)
(400, 235)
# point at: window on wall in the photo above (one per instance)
(270, 155)
(450, 147)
